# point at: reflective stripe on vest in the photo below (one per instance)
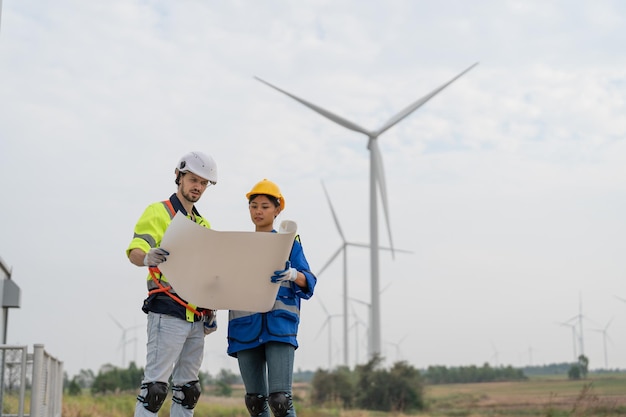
(278, 305)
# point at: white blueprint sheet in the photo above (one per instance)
(225, 270)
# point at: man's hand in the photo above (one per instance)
(287, 274)
(155, 256)
(210, 322)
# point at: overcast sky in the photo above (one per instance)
(509, 187)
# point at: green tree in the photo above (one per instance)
(333, 387)
(397, 390)
(574, 372)
(227, 377)
(113, 379)
(85, 378)
(406, 391)
(73, 387)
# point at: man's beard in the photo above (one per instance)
(191, 198)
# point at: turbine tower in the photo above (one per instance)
(343, 249)
(580, 318)
(377, 178)
(605, 336)
(573, 327)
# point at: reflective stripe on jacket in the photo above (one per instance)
(247, 330)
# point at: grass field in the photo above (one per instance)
(551, 397)
(598, 395)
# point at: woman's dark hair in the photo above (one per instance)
(273, 199)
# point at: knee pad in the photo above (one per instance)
(155, 395)
(187, 394)
(256, 404)
(280, 403)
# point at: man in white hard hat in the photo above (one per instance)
(176, 329)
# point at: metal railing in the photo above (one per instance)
(38, 375)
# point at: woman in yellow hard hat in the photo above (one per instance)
(264, 343)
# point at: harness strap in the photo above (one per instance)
(170, 208)
(191, 309)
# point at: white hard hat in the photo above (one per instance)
(200, 164)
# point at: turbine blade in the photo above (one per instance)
(117, 322)
(323, 326)
(417, 104)
(323, 306)
(380, 179)
(337, 119)
(332, 258)
(359, 245)
(608, 324)
(332, 210)
(365, 245)
(356, 300)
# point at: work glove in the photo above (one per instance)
(155, 256)
(210, 322)
(287, 274)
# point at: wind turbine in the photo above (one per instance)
(377, 178)
(604, 337)
(327, 322)
(580, 317)
(397, 346)
(495, 355)
(357, 322)
(530, 355)
(369, 318)
(573, 326)
(123, 340)
(344, 250)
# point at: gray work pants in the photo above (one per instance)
(172, 342)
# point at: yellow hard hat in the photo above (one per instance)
(267, 187)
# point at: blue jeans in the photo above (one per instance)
(266, 369)
(172, 342)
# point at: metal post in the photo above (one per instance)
(36, 399)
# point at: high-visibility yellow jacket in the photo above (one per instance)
(148, 234)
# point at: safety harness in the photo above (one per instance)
(190, 308)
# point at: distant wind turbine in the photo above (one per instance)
(344, 249)
(357, 322)
(124, 341)
(327, 322)
(580, 318)
(573, 327)
(377, 178)
(397, 346)
(495, 355)
(604, 338)
(530, 355)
